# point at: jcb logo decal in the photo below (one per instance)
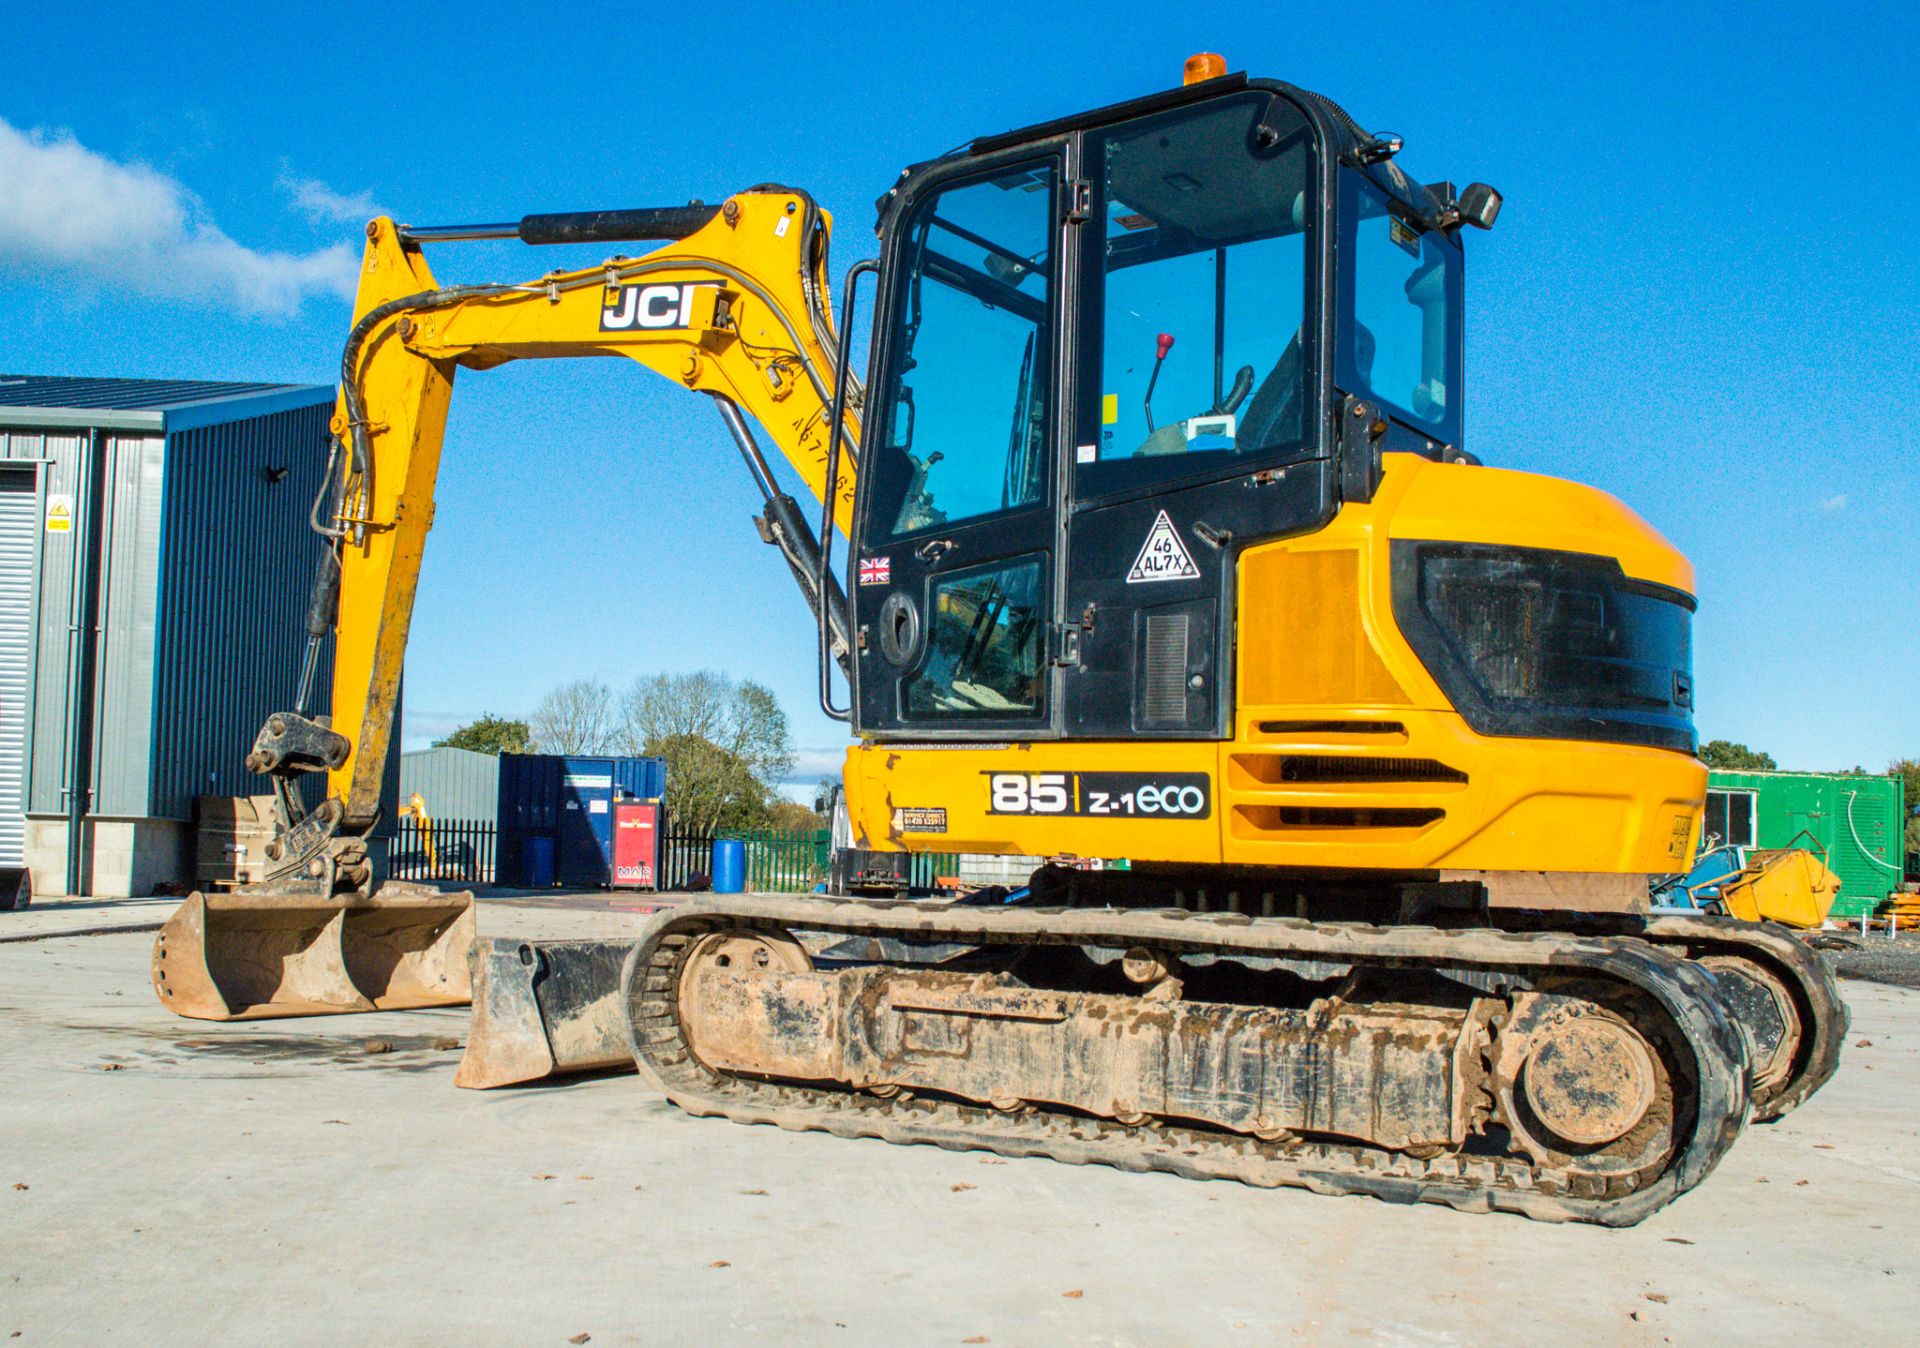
(662, 306)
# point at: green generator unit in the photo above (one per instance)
(1858, 821)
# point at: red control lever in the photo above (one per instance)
(1162, 345)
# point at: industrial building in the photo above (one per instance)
(1856, 823)
(155, 556)
(454, 783)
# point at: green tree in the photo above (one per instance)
(489, 735)
(726, 744)
(1728, 756)
(742, 718)
(794, 817)
(1909, 769)
(710, 788)
(575, 718)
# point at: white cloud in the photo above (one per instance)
(67, 210)
(812, 762)
(1834, 503)
(420, 727)
(324, 206)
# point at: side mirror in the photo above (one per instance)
(1479, 206)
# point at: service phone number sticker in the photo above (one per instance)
(1120, 795)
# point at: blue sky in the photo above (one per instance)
(1703, 296)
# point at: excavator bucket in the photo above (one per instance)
(544, 1008)
(1790, 886)
(256, 956)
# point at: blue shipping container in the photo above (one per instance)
(568, 800)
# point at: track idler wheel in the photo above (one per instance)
(1589, 1079)
(732, 1027)
(1582, 1082)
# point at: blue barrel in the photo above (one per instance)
(539, 862)
(729, 866)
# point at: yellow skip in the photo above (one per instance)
(1787, 885)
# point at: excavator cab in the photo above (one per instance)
(1109, 351)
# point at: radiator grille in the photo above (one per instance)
(1278, 818)
(1301, 768)
(1332, 728)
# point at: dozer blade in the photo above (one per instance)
(256, 956)
(544, 1008)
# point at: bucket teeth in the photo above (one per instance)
(258, 956)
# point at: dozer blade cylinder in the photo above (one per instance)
(544, 1008)
(257, 956)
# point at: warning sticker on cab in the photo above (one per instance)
(1163, 556)
(1120, 795)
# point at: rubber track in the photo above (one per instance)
(1824, 1017)
(1469, 1183)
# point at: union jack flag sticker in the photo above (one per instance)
(876, 570)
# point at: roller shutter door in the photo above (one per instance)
(18, 523)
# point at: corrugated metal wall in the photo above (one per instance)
(129, 525)
(1870, 837)
(19, 526)
(63, 473)
(454, 783)
(234, 573)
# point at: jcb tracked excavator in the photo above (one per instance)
(1166, 544)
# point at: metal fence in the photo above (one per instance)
(463, 850)
(778, 860)
(927, 869)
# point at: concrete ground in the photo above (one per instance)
(172, 1181)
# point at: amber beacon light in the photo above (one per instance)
(1206, 65)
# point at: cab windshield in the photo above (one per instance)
(1201, 295)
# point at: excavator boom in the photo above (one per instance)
(737, 309)
(735, 306)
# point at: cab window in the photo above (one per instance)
(963, 426)
(984, 648)
(1200, 292)
(1400, 302)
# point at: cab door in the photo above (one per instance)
(1199, 405)
(955, 564)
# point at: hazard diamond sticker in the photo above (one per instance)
(1163, 556)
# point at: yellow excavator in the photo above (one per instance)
(1167, 544)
